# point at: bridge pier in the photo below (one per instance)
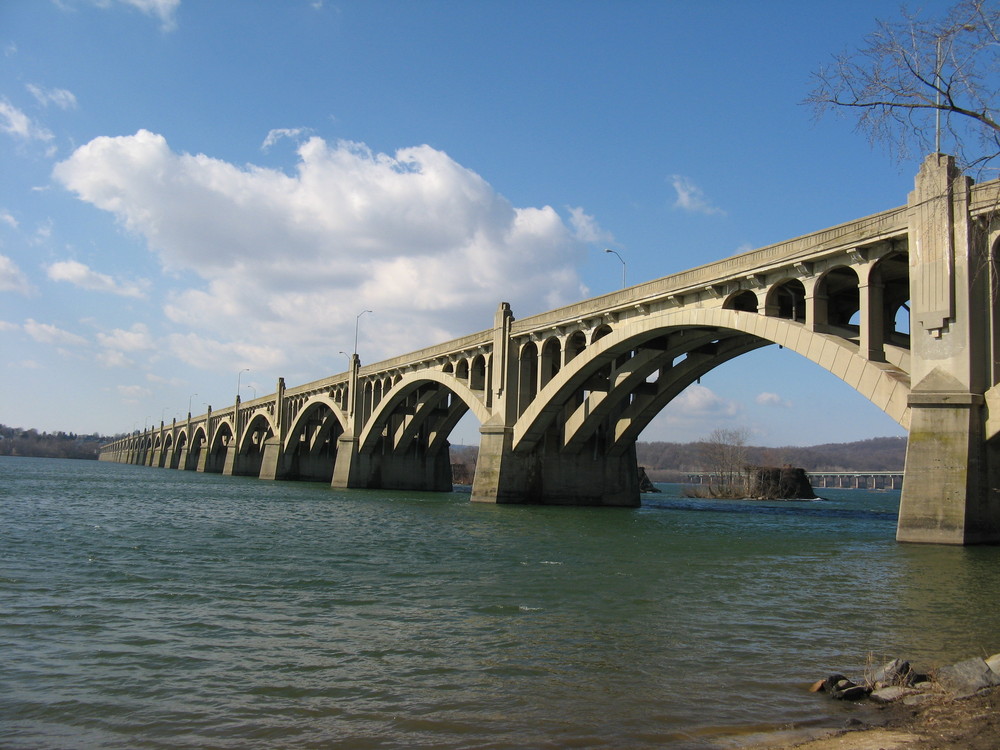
(950, 490)
(506, 477)
(949, 494)
(416, 469)
(272, 465)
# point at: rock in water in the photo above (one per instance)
(644, 484)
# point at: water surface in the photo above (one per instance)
(149, 608)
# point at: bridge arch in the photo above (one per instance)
(222, 437)
(404, 387)
(310, 448)
(682, 346)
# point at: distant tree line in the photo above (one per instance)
(875, 454)
(15, 441)
(665, 462)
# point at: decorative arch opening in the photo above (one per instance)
(477, 376)
(838, 299)
(891, 275)
(599, 333)
(744, 301)
(787, 299)
(551, 361)
(527, 376)
(575, 344)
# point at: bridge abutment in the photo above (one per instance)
(950, 490)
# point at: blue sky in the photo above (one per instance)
(192, 189)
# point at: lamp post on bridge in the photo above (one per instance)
(238, 377)
(252, 389)
(615, 252)
(189, 404)
(357, 323)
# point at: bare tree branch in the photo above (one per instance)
(918, 77)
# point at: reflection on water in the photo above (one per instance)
(151, 608)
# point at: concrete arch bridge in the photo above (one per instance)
(901, 305)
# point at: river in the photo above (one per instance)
(149, 608)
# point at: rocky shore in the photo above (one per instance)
(956, 707)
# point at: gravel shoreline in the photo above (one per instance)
(942, 723)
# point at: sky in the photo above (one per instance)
(204, 196)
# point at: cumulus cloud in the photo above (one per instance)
(15, 123)
(691, 198)
(278, 133)
(12, 279)
(61, 98)
(45, 333)
(697, 400)
(80, 275)
(8, 219)
(586, 228)
(772, 399)
(290, 259)
(138, 338)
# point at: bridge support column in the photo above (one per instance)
(503, 476)
(272, 465)
(950, 493)
(345, 466)
(229, 466)
(950, 472)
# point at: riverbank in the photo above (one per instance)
(942, 723)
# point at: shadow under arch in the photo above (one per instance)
(310, 449)
(404, 387)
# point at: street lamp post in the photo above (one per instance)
(615, 252)
(357, 323)
(238, 377)
(252, 389)
(189, 404)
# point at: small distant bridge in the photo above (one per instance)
(855, 480)
(562, 396)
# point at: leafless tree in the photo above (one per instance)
(918, 80)
(726, 457)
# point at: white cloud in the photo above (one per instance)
(111, 358)
(136, 339)
(690, 197)
(291, 258)
(45, 333)
(59, 97)
(8, 219)
(586, 229)
(278, 133)
(14, 122)
(12, 279)
(697, 400)
(80, 275)
(161, 9)
(772, 399)
(134, 394)
(8, 326)
(220, 356)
